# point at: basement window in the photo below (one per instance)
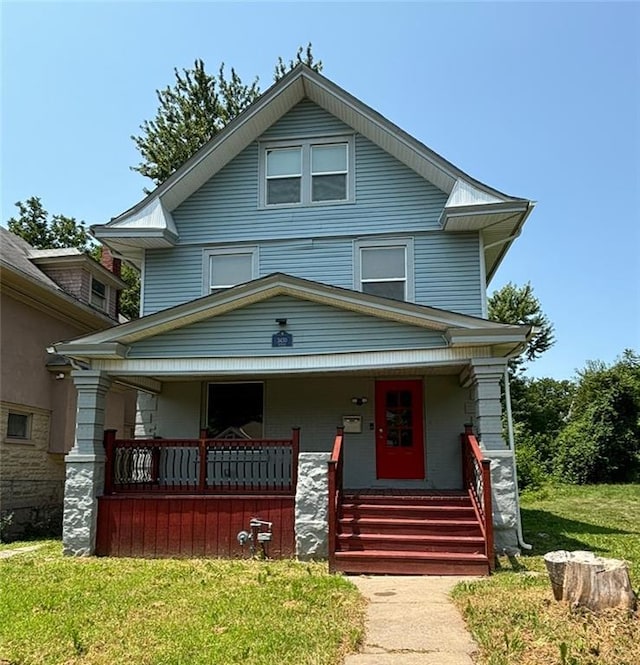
(19, 426)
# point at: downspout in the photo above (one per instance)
(507, 398)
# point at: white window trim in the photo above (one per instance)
(387, 243)
(306, 177)
(219, 251)
(19, 439)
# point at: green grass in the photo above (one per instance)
(154, 612)
(513, 614)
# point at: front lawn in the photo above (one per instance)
(514, 616)
(57, 610)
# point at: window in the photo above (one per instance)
(308, 172)
(224, 268)
(235, 410)
(98, 294)
(385, 268)
(19, 426)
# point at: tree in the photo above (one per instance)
(34, 225)
(601, 442)
(194, 110)
(518, 305)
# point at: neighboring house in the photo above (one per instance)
(312, 266)
(45, 295)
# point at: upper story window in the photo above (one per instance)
(385, 268)
(98, 294)
(309, 172)
(227, 267)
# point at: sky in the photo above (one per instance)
(538, 100)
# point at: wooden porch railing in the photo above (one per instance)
(201, 466)
(476, 476)
(336, 465)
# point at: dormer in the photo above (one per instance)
(82, 277)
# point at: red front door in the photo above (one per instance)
(399, 430)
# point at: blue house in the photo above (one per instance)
(313, 352)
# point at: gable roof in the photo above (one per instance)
(472, 205)
(460, 329)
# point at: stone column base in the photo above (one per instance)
(505, 501)
(84, 483)
(312, 504)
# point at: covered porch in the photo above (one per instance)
(224, 381)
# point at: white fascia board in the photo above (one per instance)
(292, 364)
(112, 350)
(509, 334)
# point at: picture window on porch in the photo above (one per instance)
(235, 410)
(385, 268)
(224, 268)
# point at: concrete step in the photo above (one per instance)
(407, 511)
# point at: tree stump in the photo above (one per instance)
(586, 580)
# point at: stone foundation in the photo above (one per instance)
(312, 503)
(85, 480)
(505, 501)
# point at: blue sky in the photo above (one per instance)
(540, 100)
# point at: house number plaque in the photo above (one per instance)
(282, 338)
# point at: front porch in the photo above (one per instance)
(195, 498)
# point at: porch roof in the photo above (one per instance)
(457, 331)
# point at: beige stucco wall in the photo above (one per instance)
(32, 471)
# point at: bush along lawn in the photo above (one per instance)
(58, 610)
(513, 615)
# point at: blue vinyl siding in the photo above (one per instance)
(389, 196)
(316, 242)
(447, 269)
(315, 328)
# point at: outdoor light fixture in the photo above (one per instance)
(281, 322)
(359, 401)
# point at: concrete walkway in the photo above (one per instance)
(412, 621)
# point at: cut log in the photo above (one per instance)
(586, 580)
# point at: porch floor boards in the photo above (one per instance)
(409, 532)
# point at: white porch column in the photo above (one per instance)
(85, 464)
(312, 505)
(485, 376)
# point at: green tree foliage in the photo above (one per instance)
(194, 110)
(540, 410)
(518, 305)
(601, 442)
(34, 225)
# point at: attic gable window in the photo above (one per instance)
(307, 172)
